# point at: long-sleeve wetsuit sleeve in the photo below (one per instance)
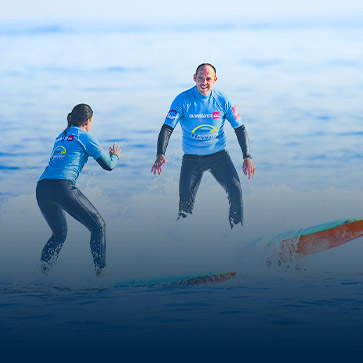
(163, 139)
(243, 141)
(107, 162)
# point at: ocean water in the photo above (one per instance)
(298, 88)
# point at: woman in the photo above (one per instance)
(56, 190)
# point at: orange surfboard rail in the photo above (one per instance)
(317, 239)
(203, 279)
(324, 240)
(209, 279)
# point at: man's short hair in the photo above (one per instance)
(206, 64)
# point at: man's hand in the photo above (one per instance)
(157, 167)
(249, 167)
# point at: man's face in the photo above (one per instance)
(205, 79)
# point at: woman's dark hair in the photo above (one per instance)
(206, 64)
(79, 116)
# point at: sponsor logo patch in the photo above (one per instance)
(171, 115)
(235, 112)
(70, 138)
(216, 115)
(200, 115)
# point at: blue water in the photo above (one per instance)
(299, 89)
(247, 319)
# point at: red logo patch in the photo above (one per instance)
(70, 138)
(235, 112)
(216, 115)
(171, 115)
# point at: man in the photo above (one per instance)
(202, 112)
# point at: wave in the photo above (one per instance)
(144, 240)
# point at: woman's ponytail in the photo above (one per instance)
(78, 117)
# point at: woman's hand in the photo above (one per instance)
(115, 150)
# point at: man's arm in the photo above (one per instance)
(163, 139)
(249, 167)
(243, 141)
(162, 144)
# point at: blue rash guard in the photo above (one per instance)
(202, 120)
(71, 152)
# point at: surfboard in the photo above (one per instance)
(317, 238)
(187, 280)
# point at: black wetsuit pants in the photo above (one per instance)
(223, 170)
(56, 196)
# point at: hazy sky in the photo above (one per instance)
(169, 11)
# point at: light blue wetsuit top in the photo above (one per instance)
(202, 120)
(70, 154)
